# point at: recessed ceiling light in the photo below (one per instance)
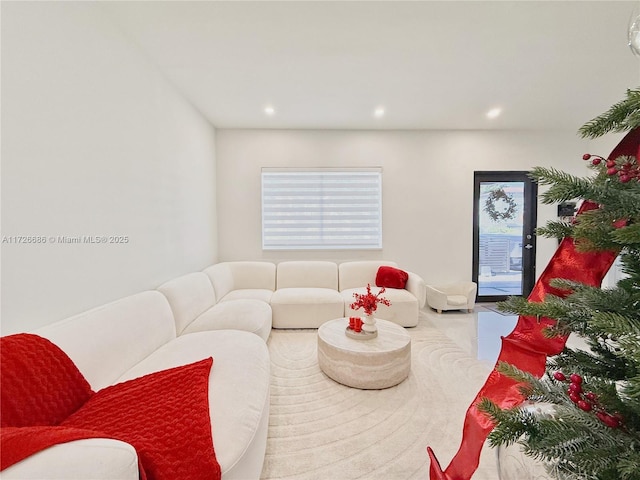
(378, 112)
(269, 110)
(494, 112)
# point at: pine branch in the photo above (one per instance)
(630, 261)
(617, 324)
(621, 117)
(557, 230)
(628, 236)
(563, 186)
(553, 307)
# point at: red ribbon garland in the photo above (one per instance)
(526, 347)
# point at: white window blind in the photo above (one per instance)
(321, 209)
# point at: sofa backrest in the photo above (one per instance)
(357, 274)
(108, 340)
(227, 276)
(189, 296)
(311, 274)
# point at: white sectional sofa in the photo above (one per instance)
(193, 302)
(225, 312)
(243, 280)
(135, 336)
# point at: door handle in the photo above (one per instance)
(528, 246)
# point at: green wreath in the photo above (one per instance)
(490, 205)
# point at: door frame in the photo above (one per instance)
(530, 214)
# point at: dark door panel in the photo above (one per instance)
(504, 243)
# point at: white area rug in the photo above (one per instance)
(320, 429)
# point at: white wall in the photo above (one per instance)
(95, 142)
(427, 187)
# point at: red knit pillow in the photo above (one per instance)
(390, 277)
(39, 384)
(164, 415)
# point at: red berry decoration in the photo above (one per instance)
(591, 396)
(559, 376)
(574, 396)
(596, 161)
(575, 387)
(624, 178)
(611, 171)
(586, 156)
(610, 163)
(584, 405)
(575, 378)
(608, 420)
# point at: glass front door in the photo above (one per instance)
(504, 239)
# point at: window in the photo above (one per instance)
(321, 208)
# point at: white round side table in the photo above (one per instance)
(375, 363)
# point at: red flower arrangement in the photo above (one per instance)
(369, 302)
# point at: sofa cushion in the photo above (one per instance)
(305, 307)
(238, 393)
(307, 274)
(228, 276)
(250, 315)
(108, 340)
(79, 460)
(221, 278)
(391, 277)
(404, 308)
(248, 294)
(359, 273)
(189, 296)
(457, 300)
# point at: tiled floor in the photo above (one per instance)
(479, 333)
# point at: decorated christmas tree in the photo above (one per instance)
(582, 418)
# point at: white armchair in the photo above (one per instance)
(455, 296)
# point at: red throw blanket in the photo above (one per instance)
(164, 415)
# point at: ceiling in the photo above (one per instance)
(431, 65)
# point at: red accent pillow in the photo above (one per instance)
(164, 415)
(390, 277)
(39, 384)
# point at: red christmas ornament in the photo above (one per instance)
(559, 376)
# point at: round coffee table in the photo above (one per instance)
(377, 363)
